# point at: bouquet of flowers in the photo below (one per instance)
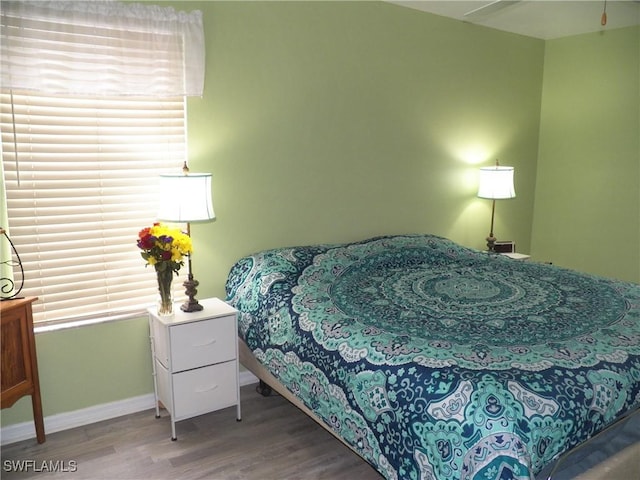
(164, 248)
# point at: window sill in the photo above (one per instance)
(54, 326)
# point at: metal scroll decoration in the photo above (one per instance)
(7, 284)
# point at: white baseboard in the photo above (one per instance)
(85, 416)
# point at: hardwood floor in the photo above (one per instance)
(274, 440)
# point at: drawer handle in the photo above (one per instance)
(204, 344)
(206, 389)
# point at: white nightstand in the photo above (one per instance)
(195, 361)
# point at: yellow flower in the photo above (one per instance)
(183, 244)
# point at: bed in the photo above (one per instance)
(435, 361)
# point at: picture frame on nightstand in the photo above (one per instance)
(505, 246)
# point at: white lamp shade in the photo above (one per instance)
(496, 183)
(185, 198)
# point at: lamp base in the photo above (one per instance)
(191, 304)
(491, 243)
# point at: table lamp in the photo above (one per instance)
(496, 183)
(186, 198)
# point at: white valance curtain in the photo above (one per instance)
(101, 48)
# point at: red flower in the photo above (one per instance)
(147, 241)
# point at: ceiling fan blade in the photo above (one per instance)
(490, 7)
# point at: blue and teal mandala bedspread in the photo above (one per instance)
(434, 361)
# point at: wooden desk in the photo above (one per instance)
(19, 366)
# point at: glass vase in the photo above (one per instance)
(165, 300)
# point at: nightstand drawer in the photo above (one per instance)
(203, 343)
(205, 389)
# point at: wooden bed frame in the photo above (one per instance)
(616, 467)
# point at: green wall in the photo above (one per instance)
(329, 122)
(86, 366)
(335, 121)
(587, 203)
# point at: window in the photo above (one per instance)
(92, 110)
(83, 183)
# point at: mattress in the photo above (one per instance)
(432, 360)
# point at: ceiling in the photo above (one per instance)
(545, 19)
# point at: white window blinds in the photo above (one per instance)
(92, 111)
(81, 177)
